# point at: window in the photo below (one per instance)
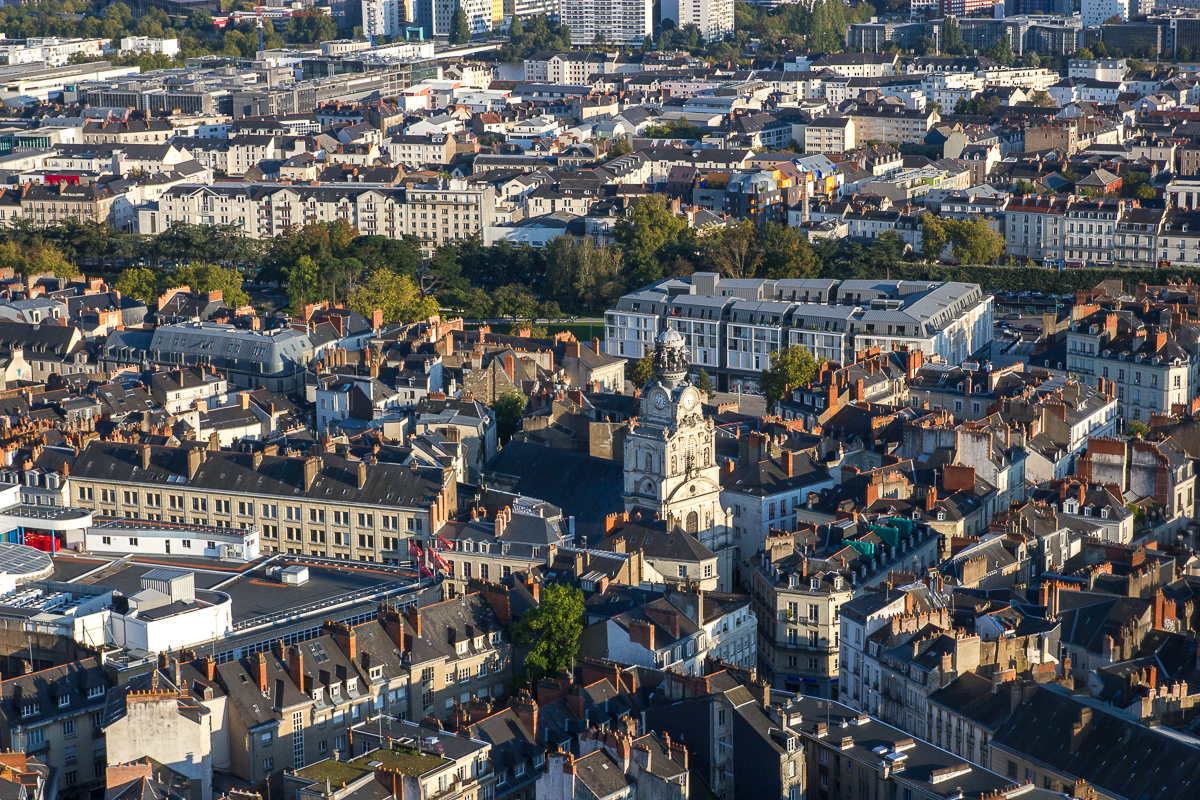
(35, 738)
(68, 728)
(268, 764)
(29, 709)
(95, 691)
(64, 701)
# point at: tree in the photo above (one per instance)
(1002, 52)
(787, 254)
(509, 408)
(733, 249)
(641, 371)
(1139, 429)
(211, 278)
(1084, 54)
(460, 29)
(952, 43)
(619, 146)
(790, 368)
(551, 630)
(304, 283)
(1042, 99)
(973, 241)
(704, 383)
(647, 45)
(44, 257)
(933, 237)
(138, 282)
(515, 300)
(516, 30)
(395, 295)
(645, 235)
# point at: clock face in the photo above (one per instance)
(689, 400)
(660, 401)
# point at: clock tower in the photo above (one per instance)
(670, 456)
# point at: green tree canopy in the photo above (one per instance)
(395, 295)
(551, 631)
(642, 370)
(138, 282)
(646, 234)
(460, 27)
(509, 408)
(211, 278)
(790, 368)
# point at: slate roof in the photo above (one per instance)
(1120, 758)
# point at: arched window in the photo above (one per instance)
(693, 522)
(649, 463)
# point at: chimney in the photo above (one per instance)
(312, 466)
(931, 499)
(789, 463)
(575, 701)
(195, 457)
(260, 671)
(362, 474)
(244, 400)
(146, 457)
(510, 366)
(296, 667)
(526, 709)
(377, 319)
(210, 669)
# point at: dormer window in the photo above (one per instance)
(1104, 513)
(29, 709)
(478, 642)
(64, 700)
(941, 515)
(335, 690)
(376, 673)
(461, 647)
(95, 691)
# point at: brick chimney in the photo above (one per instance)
(260, 671)
(931, 498)
(788, 458)
(296, 667)
(510, 366)
(642, 633)
(526, 709)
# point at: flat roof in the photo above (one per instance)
(256, 595)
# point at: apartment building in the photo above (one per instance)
(455, 650)
(615, 22)
(291, 706)
(713, 18)
(1148, 367)
(247, 359)
(57, 715)
(435, 213)
(1137, 234)
(55, 204)
(798, 624)
(414, 152)
(447, 211)
(893, 124)
(830, 135)
(733, 326)
(1035, 227)
(1089, 229)
(515, 541)
(325, 505)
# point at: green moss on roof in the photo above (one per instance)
(337, 772)
(401, 759)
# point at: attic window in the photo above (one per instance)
(64, 700)
(29, 709)
(941, 516)
(376, 673)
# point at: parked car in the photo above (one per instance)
(1032, 328)
(1011, 316)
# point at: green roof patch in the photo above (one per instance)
(404, 760)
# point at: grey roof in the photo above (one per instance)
(227, 347)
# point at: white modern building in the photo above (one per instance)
(713, 18)
(617, 22)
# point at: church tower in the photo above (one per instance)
(670, 456)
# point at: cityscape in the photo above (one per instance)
(599, 400)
